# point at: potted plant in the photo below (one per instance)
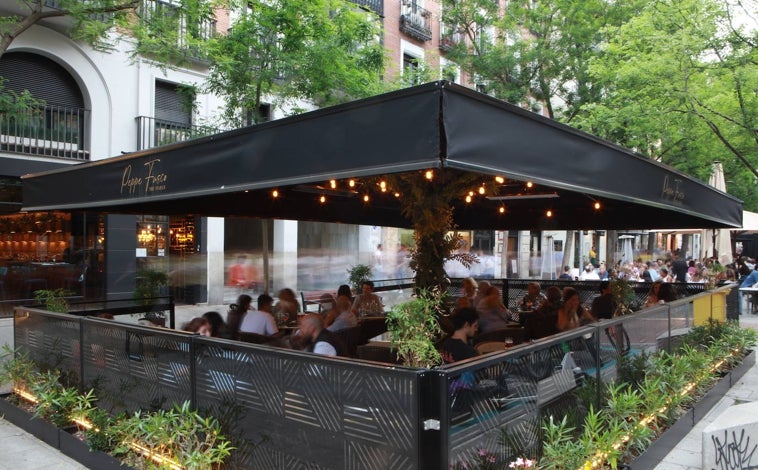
(53, 300)
(357, 275)
(149, 284)
(414, 329)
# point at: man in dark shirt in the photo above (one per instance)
(679, 268)
(603, 305)
(457, 348)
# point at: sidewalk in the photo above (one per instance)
(22, 451)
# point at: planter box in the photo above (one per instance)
(25, 420)
(78, 450)
(654, 454)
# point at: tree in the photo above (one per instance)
(679, 85)
(90, 21)
(325, 51)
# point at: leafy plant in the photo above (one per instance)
(17, 368)
(414, 328)
(53, 300)
(179, 434)
(484, 460)
(148, 286)
(357, 275)
(55, 402)
(623, 296)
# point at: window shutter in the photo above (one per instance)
(169, 105)
(44, 78)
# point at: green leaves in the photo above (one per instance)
(414, 328)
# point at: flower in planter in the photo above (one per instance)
(520, 463)
(485, 460)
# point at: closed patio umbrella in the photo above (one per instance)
(717, 239)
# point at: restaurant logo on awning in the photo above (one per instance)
(149, 180)
(672, 190)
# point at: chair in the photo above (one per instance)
(254, 338)
(374, 353)
(489, 347)
(351, 338)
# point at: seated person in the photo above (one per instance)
(542, 322)
(260, 321)
(218, 326)
(317, 339)
(571, 314)
(492, 312)
(287, 306)
(470, 287)
(237, 312)
(368, 304)
(198, 325)
(456, 347)
(344, 289)
(604, 305)
(533, 297)
(343, 317)
(484, 287)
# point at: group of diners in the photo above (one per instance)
(480, 311)
(285, 324)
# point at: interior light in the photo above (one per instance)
(429, 174)
(322, 199)
(549, 213)
(351, 183)
(275, 193)
(333, 184)
(500, 179)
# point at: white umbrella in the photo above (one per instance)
(548, 260)
(627, 250)
(718, 239)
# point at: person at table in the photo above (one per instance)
(492, 312)
(470, 287)
(287, 305)
(318, 339)
(368, 304)
(344, 318)
(457, 346)
(571, 314)
(260, 321)
(237, 312)
(751, 280)
(604, 305)
(344, 289)
(482, 289)
(218, 326)
(566, 273)
(198, 325)
(542, 322)
(533, 297)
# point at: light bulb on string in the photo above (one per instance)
(500, 179)
(333, 184)
(529, 184)
(482, 190)
(397, 194)
(471, 193)
(502, 209)
(275, 193)
(365, 198)
(351, 183)
(597, 205)
(549, 213)
(429, 175)
(468, 198)
(322, 199)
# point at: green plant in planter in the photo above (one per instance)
(55, 402)
(357, 275)
(148, 286)
(17, 368)
(94, 422)
(179, 434)
(53, 300)
(414, 329)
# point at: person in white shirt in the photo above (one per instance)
(260, 321)
(589, 274)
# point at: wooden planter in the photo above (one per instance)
(61, 439)
(654, 454)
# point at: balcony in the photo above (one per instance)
(415, 21)
(449, 39)
(153, 132)
(377, 6)
(48, 131)
(166, 19)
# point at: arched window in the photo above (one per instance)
(56, 129)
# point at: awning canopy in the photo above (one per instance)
(439, 126)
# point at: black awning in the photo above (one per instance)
(437, 125)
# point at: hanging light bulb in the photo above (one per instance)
(365, 198)
(549, 213)
(275, 193)
(429, 175)
(397, 194)
(597, 205)
(333, 184)
(468, 198)
(500, 179)
(482, 190)
(529, 184)
(383, 186)
(351, 183)
(502, 209)
(322, 199)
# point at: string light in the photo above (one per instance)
(549, 213)
(500, 179)
(597, 205)
(429, 174)
(482, 190)
(275, 193)
(383, 186)
(351, 183)
(529, 184)
(333, 184)
(471, 193)
(322, 199)
(397, 194)
(365, 198)
(502, 209)
(468, 198)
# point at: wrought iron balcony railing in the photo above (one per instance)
(50, 131)
(449, 37)
(415, 21)
(153, 132)
(377, 6)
